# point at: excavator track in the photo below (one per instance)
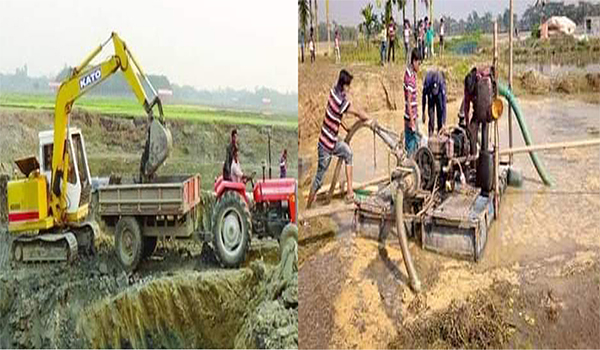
(47, 247)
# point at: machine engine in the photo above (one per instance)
(274, 206)
(445, 159)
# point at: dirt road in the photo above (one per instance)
(537, 285)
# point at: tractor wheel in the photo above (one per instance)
(288, 235)
(149, 246)
(129, 243)
(231, 229)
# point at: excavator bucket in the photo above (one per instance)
(158, 147)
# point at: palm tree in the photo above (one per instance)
(389, 9)
(310, 11)
(368, 20)
(303, 14)
(429, 6)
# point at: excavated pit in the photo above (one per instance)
(202, 310)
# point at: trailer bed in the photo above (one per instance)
(166, 195)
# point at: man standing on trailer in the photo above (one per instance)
(329, 145)
(229, 156)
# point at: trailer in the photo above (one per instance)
(140, 214)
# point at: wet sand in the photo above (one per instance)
(545, 242)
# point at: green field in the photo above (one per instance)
(129, 107)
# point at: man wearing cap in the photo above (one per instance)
(434, 95)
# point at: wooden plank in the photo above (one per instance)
(550, 146)
(355, 186)
(325, 211)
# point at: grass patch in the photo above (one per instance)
(128, 107)
(468, 44)
(368, 52)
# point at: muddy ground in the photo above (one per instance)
(178, 298)
(114, 144)
(538, 283)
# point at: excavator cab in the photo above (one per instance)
(78, 178)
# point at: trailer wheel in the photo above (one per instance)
(129, 243)
(149, 246)
(288, 235)
(231, 229)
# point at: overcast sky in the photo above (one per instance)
(204, 43)
(347, 12)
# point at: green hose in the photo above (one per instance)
(512, 101)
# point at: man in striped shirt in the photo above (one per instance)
(411, 110)
(329, 145)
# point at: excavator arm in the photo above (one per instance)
(83, 78)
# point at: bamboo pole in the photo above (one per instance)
(551, 146)
(510, 77)
(328, 28)
(496, 132)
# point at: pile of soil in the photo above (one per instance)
(593, 80)
(534, 82)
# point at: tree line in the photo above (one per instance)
(117, 86)
(373, 18)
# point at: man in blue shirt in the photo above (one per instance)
(434, 94)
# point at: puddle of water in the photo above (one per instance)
(536, 221)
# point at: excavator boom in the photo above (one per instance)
(83, 78)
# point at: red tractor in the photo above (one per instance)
(271, 212)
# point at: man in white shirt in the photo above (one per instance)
(236, 169)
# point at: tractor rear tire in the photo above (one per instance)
(149, 246)
(129, 243)
(231, 229)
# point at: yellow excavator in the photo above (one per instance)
(49, 204)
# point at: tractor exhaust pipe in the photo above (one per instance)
(412, 273)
